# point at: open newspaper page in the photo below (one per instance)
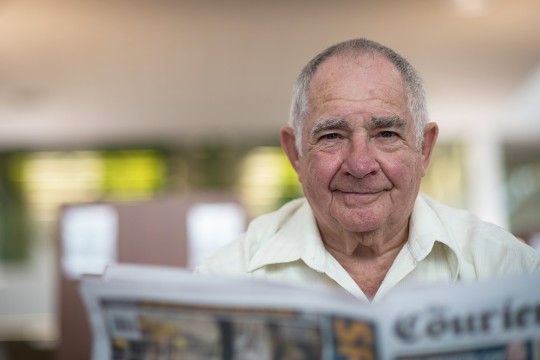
(490, 319)
(172, 314)
(161, 313)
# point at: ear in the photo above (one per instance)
(288, 144)
(431, 132)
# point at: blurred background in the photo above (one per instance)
(140, 102)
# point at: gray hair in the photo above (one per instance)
(416, 99)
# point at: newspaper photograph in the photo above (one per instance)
(142, 312)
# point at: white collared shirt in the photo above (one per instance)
(444, 245)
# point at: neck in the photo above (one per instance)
(366, 245)
(367, 257)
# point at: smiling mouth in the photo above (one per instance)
(359, 197)
(360, 192)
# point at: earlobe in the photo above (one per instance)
(431, 132)
(288, 144)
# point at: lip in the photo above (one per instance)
(363, 197)
(360, 192)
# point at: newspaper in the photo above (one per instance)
(143, 312)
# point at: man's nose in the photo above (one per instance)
(360, 158)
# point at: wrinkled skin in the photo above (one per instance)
(360, 168)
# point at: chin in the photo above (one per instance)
(360, 220)
(361, 225)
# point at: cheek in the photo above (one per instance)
(317, 172)
(405, 173)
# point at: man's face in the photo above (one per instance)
(360, 168)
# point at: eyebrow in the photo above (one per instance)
(330, 124)
(390, 122)
(387, 122)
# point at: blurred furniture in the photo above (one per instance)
(148, 232)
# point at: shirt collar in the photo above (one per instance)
(425, 229)
(299, 239)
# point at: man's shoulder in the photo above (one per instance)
(234, 258)
(488, 248)
(227, 260)
(459, 221)
(446, 211)
(268, 224)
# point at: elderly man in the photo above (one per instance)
(360, 142)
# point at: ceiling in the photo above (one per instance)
(92, 73)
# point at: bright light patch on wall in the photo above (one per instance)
(211, 226)
(89, 235)
(266, 180)
(133, 174)
(445, 179)
(51, 179)
(471, 8)
(54, 178)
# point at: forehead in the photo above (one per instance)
(368, 76)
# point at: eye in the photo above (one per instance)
(387, 134)
(330, 136)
